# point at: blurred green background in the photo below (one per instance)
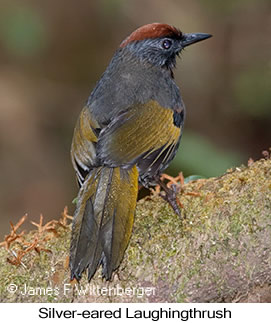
(53, 52)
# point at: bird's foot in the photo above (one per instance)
(171, 188)
(170, 196)
(170, 191)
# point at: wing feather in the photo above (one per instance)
(136, 133)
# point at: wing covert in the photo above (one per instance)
(137, 133)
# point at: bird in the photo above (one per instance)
(125, 136)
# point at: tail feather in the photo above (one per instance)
(84, 228)
(103, 220)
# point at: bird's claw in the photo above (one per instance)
(170, 196)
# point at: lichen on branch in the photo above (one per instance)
(220, 250)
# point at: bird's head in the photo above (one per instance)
(159, 44)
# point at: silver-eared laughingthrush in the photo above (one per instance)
(128, 132)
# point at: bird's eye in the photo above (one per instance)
(167, 44)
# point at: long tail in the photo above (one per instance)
(103, 220)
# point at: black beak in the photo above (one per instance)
(189, 39)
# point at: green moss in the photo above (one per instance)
(219, 248)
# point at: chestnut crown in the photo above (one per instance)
(159, 43)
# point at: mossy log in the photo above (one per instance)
(219, 252)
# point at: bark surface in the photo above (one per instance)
(219, 252)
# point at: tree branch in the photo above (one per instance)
(219, 252)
